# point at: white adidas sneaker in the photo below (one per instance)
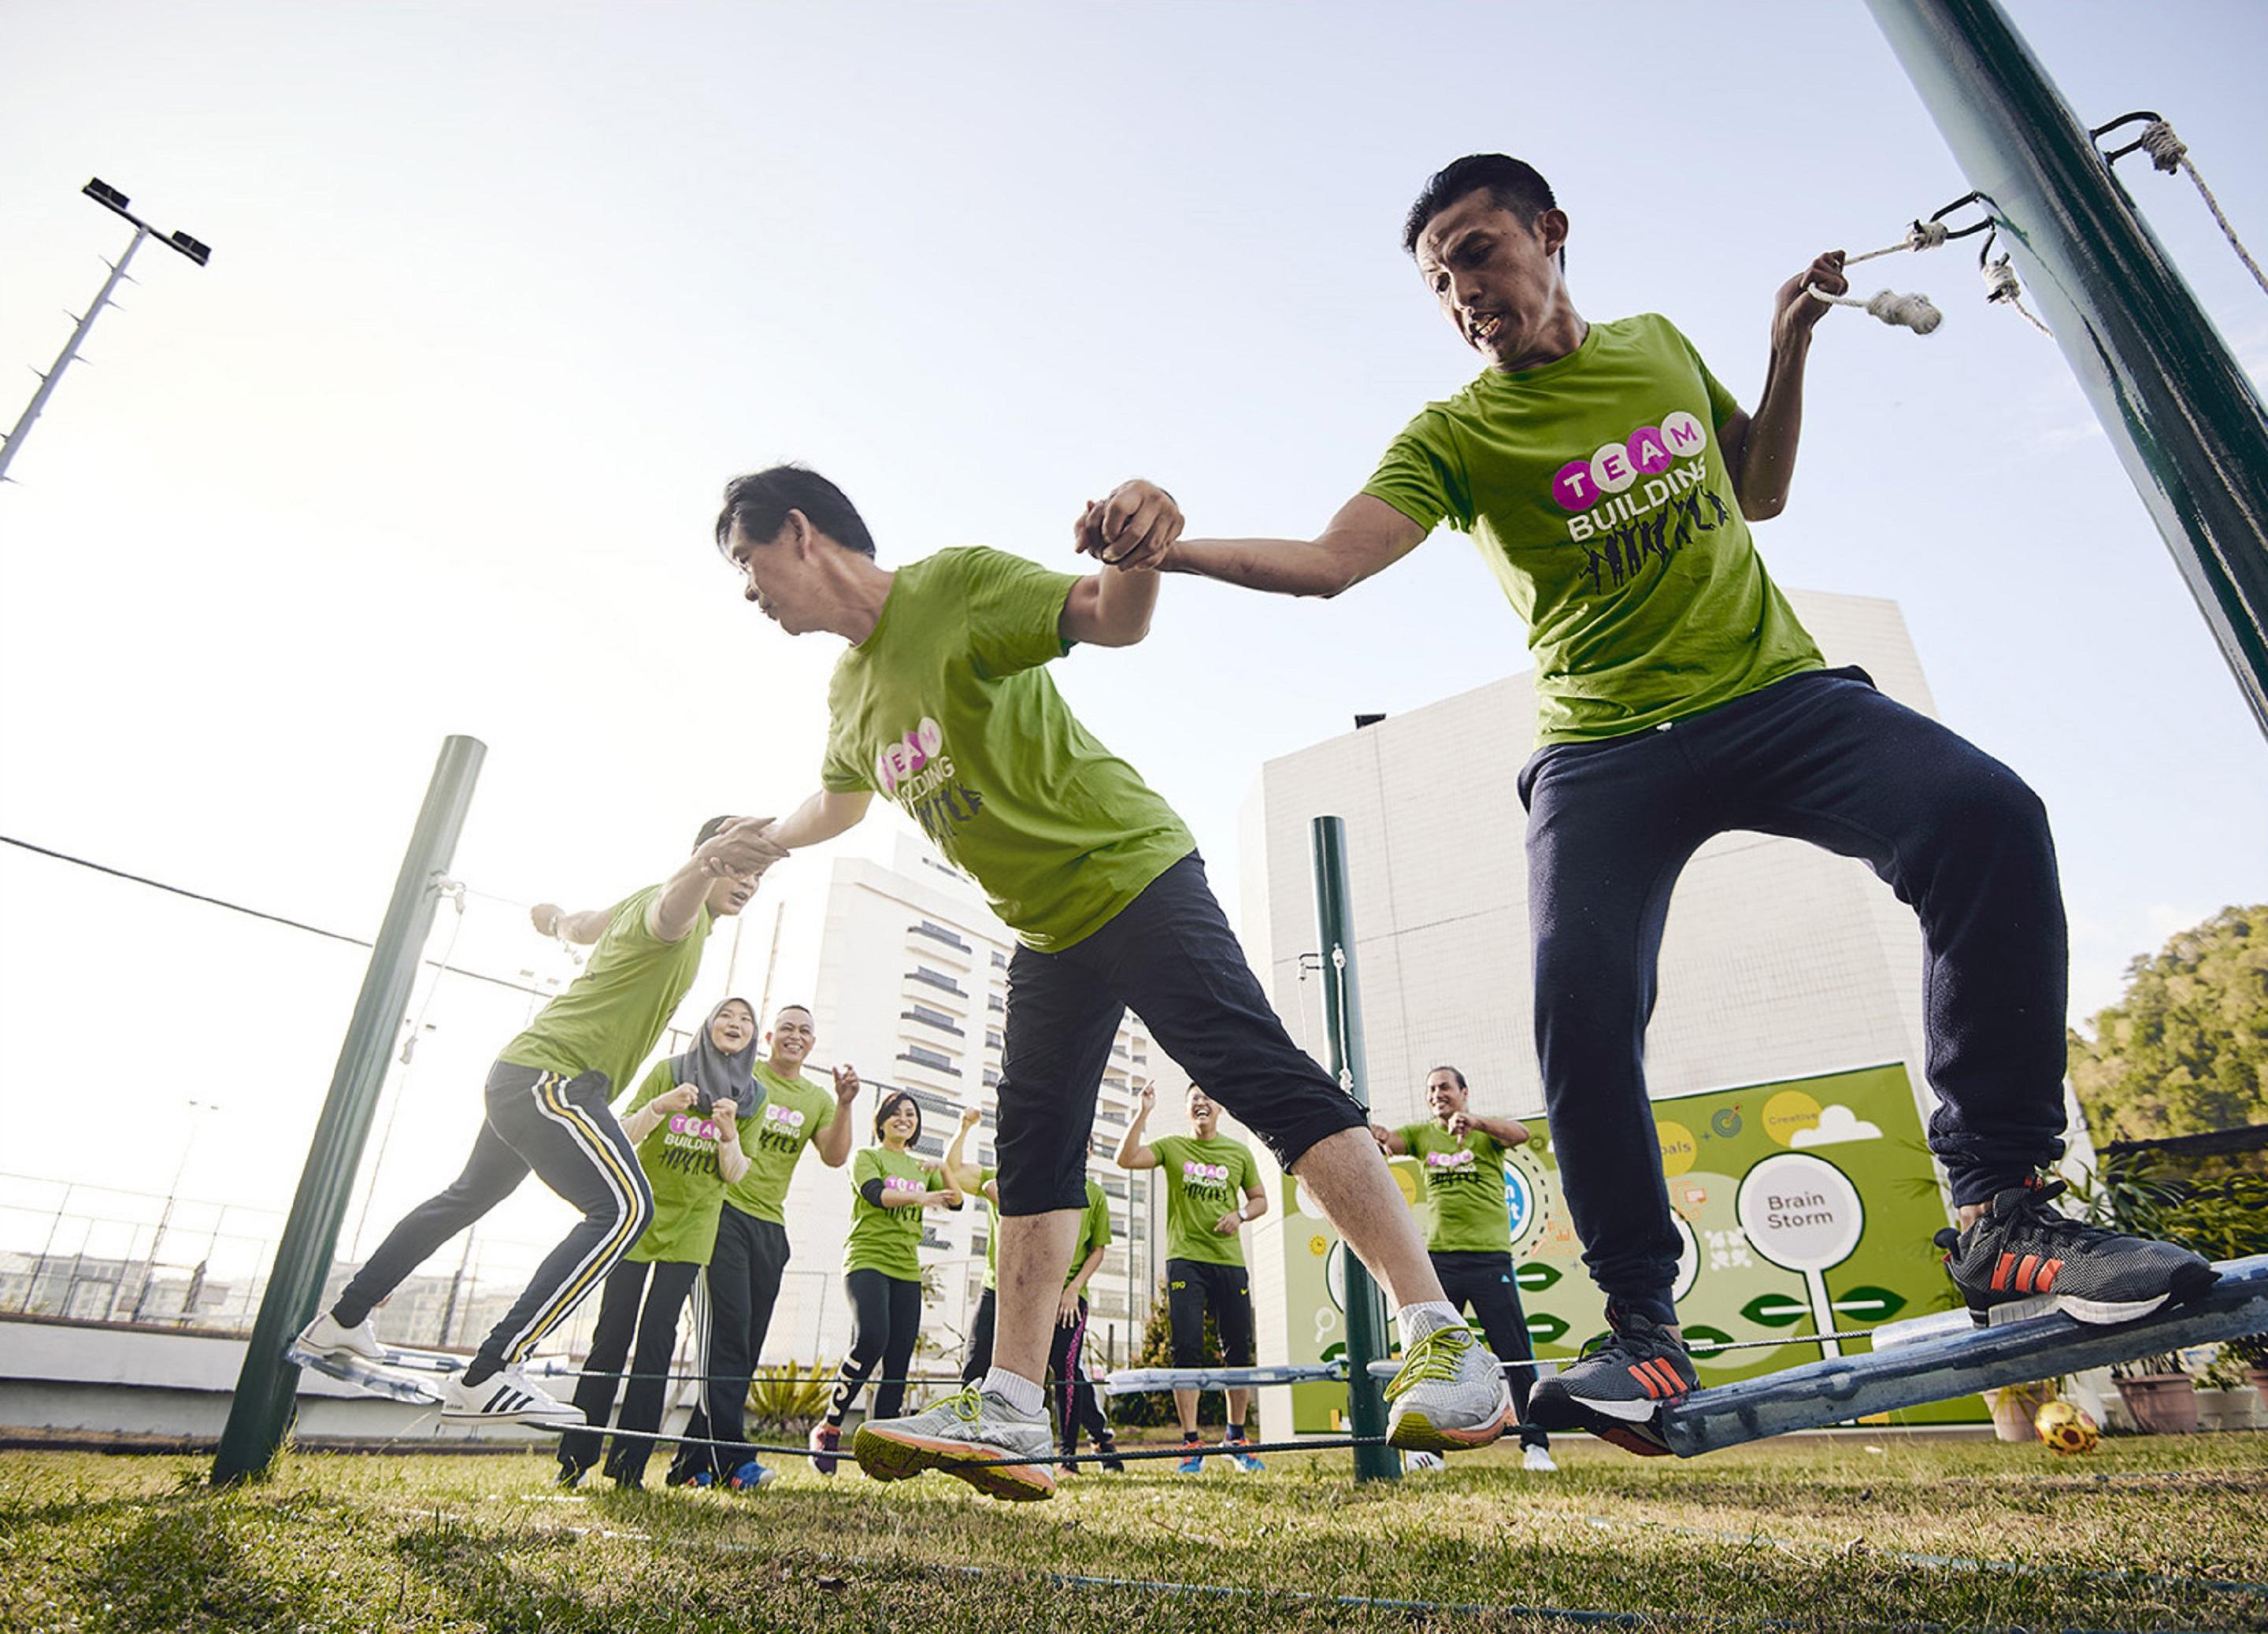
(326, 1336)
(1539, 1459)
(509, 1396)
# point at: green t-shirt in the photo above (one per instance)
(947, 709)
(795, 1109)
(680, 1160)
(610, 1017)
(1465, 1181)
(887, 1239)
(1596, 489)
(1093, 1230)
(1204, 1180)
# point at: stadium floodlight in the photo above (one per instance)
(112, 200)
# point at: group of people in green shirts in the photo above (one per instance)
(1609, 480)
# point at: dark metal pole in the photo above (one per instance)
(1366, 1306)
(2184, 419)
(268, 1388)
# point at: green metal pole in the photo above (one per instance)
(268, 1388)
(1366, 1306)
(2182, 415)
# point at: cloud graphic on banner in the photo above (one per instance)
(1836, 1124)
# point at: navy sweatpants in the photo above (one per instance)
(1821, 757)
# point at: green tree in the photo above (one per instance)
(2185, 1050)
(1156, 1406)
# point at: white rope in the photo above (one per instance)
(2169, 153)
(1923, 235)
(1913, 312)
(2002, 290)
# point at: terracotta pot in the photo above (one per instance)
(2161, 1403)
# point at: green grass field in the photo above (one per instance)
(2144, 1534)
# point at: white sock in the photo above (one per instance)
(1418, 1320)
(1024, 1395)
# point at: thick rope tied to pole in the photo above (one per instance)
(2169, 153)
(2002, 290)
(1923, 235)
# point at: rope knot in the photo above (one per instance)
(1927, 235)
(1914, 311)
(2000, 281)
(2164, 148)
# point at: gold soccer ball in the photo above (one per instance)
(2064, 1428)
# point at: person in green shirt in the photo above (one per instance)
(733, 1302)
(881, 1264)
(1470, 1238)
(1213, 1188)
(1609, 481)
(942, 702)
(545, 1108)
(684, 1120)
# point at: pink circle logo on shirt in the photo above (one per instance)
(1573, 488)
(1648, 453)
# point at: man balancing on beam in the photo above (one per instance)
(1469, 1241)
(1609, 481)
(733, 1300)
(546, 1110)
(1212, 1189)
(943, 703)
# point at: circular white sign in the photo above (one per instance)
(1801, 1213)
(1689, 1258)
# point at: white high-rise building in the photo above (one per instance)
(909, 986)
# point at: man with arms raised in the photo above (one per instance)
(733, 1300)
(1609, 481)
(944, 705)
(1213, 1188)
(546, 1109)
(1471, 1239)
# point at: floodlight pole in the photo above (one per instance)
(1366, 1306)
(2176, 404)
(268, 1388)
(115, 201)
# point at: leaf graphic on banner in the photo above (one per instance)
(1536, 1276)
(1775, 1310)
(1870, 1304)
(1696, 1333)
(1545, 1328)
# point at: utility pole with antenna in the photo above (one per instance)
(112, 200)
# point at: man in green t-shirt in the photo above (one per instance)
(546, 1109)
(1609, 481)
(733, 1300)
(943, 703)
(1470, 1239)
(1213, 1188)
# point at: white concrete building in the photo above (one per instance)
(909, 985)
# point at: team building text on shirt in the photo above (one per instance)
(917, 773)
(1633, 499)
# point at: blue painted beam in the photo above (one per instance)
(1939, 1369)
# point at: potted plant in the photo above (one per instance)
(2233, 1386)
(2158, 1393)
(2016, 1408)
(2252, 1351)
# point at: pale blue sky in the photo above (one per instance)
(501, 294)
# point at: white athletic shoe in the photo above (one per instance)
(1450, 1394)
(960, 1436)
(1539, 1459)
(325, 1337)
(1423, 1463)
(509, 1397)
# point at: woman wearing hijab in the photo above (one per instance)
(881, 1269)
(684, 1120)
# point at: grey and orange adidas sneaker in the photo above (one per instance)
(2023, 1250)
(1617, 1392)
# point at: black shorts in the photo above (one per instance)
(1170, 956)
(1192, 1288)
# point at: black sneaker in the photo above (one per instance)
(2022, 1249)
(1617, 1391)
(1112, 1464)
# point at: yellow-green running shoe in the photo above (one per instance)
(1449, 1394)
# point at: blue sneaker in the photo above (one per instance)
(750, 1476)
(1193, 1464)
(1248, 1463)
(707, 1477)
